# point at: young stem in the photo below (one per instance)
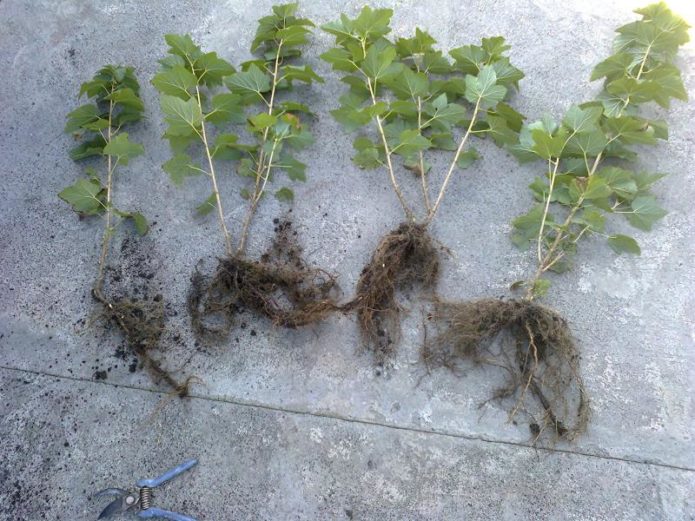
(423, 177)
(553, 176)
(549, 259)
(465, 137)
(213, 178)
(259, 186)
(408, 212)
(106, 238)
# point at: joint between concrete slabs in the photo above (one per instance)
(360, 421)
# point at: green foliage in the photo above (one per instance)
(114, 102)
(579, 189)
(418, 99)
(189, 82)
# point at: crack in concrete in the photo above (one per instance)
(360, 421)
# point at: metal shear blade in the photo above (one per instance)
(123, 502)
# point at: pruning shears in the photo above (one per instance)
(140, 498)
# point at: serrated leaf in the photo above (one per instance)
(377, 62)
(183, 117)
(175, 81)
(254, 80)
(546, 145)
(206, 206)
(644, 212)
(140, 223)
(284, 194)
(211, 70)
(127, 98)
(93, 147)
(296, 170)
(540, 287)
(624, 244)
(367, 158)
(305, 74)
(122, 148)
(410, 142)
(262, 121)
(340, 60)
(527, 226)
(182, 45)
(484, 88)
(85, 196)
(581, 120)
(82, 116)
(179, 167)
(225, 108)
(597, 188)
(467, 158)
(293, 36)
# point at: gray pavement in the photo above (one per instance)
(300, 424)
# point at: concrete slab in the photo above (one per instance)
(64, 439)
(631, 316)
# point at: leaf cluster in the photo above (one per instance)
(586, 151)
(419, 96)
(114, 95)
(201, 91)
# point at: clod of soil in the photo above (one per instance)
(540, 361)
(280, 286)
(405, 257)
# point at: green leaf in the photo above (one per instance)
(527, 226)
(262, 121)
(305, 74)
(597, 188)
(620, 181)
(540, 287)
(179, 167)
(367, 158)
(624, 244)
(293, 36)
(140, 223)
(372, 23)
(251, 81)
(284, 194)
(176, 81)
(582, 119)
(667, 82)
(184, 117)
(410, 142)
(82, 116)
(613, 67)
(484, 88)
(409, 85)
(85, 196)
(93, 147)
(206, 206)
(225, 108)
(182, 45)
(296, 170)
(122, 148)
(127, 98)
(378, 62)
(210, 69)
(546, 145)
(340, 59)
(644, 212)
(467, 158)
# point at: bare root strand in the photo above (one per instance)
(541, 360)
(142, 325)
(404, 258)
(280, 286)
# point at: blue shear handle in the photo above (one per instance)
(158, 512)
(155, 482)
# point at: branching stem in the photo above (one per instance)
(387, 152)
(213, 178)
(464, 139)
(262, 168)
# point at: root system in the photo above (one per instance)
(540, 361)
(280, 286)
(142, 324)
(405, 257)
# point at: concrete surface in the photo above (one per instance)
(287, 423)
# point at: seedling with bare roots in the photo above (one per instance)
(115, 103)
(589, 156)
(201, 96)
(418, 102)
